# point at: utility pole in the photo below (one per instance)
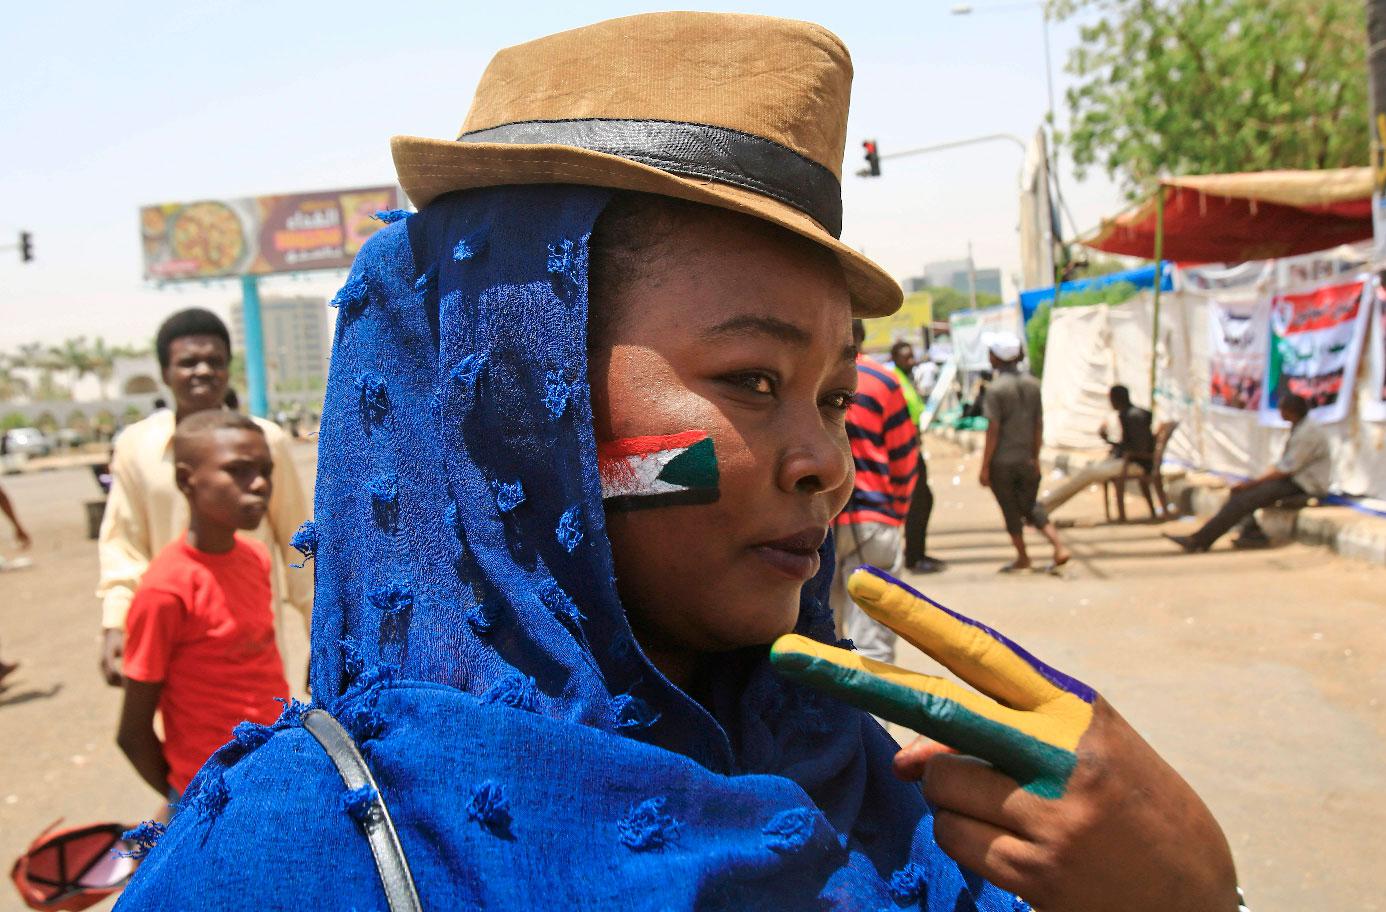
(1376, 81)
(257, 389)
(25, 247)
(971, 277)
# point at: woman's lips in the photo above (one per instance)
(795, 556)
(795, 566)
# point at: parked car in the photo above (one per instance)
(27, 441)
(71, 438)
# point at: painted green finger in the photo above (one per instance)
(1016, 742)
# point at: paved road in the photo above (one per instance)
(1261, 676)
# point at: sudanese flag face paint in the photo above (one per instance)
(663, 471)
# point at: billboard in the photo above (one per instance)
(260, 235)
(905, 324)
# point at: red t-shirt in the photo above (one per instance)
(201, 625)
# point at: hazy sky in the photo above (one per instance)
(110, 106)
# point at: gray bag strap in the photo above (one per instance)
(390, 862)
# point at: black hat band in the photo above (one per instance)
(692, 150)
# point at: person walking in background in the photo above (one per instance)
(922, 501)
(145, 510)
(1305, 467)
(1137, 441)
(1010, 462)
(925, 376)
(885, 450)
(976, 408)
(200, 645)
(22, 538)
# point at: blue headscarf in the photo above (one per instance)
(468, 632)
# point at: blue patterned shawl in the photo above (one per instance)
(468, 632)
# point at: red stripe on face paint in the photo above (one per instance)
(639, 446)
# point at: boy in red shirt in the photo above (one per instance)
(200, 643)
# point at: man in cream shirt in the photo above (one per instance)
(1305, 467)
(145, 510)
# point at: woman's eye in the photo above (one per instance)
(755, 382)
(841, 401)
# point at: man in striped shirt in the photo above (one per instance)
(885, 450)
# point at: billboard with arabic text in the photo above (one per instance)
(260, 235)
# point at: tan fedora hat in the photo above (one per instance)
(748, 113)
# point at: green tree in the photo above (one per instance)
(1037, 327)
(950, 300)
(102, 359)
(1091, 265)
(1171, 87)
(36, 356)
(75, 356)
(12, 385)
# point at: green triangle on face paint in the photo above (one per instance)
(695, 467)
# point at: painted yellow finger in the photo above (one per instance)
(1027, 721)
(974, 652)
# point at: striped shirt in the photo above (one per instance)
(885, 448)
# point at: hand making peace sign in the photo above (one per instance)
(1060, 800)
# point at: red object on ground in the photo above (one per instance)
(73, 868)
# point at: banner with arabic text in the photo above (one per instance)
(260, 235)
(1238, 333)
(1374, 406)
(1315, 342)
(970, 330)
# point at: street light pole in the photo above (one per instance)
(1048, 66)
(966, 9)
(1376, 85)
(939, 147)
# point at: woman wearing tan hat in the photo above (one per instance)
(582, 444)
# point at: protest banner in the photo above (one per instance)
(1241, 278)
(1238, 333)
(1315, 342)
(969, 329)
(1374, 405)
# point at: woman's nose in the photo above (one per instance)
(817, 462)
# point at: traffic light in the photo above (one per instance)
(26, 247)
(873, 160)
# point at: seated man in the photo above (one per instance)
(1136, 441)
(1304, 468)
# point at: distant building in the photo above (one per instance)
(953, 274)
(296, 343)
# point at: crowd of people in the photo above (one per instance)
(599, 435)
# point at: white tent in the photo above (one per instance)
(1091, 348)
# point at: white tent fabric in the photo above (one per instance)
(1091, 348)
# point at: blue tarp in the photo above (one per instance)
(1143, 277)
